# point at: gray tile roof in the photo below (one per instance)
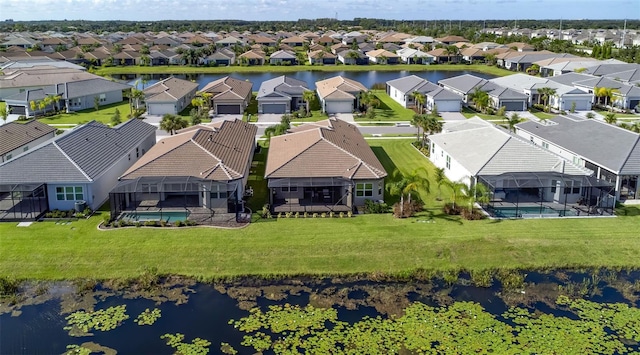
(14, 135)
(464, 83)
(81, 154)
(407, 84)
(169, 89)
(88, 87)
(604, 69)
(570, 78)
(282, 84)
(603, 144)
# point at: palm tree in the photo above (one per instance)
(419, 99)
(457, 189)
(368, 98)
(430, 125)
(4, 114)
(172, 123)
(610, 118)
(608, 94)
(308, 96)
(479, 192)
(418, 121)
(353, 55)
(480, 99)
(198, 103)
(34, 106)
(406, 185)
(440, 178)
(546, 93)
(513, 121)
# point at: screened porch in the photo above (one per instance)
(539, 195)
(310, 195)
(22, 201)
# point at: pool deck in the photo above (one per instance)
(576, 210)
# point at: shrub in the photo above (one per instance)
(409, 209)
(87, 211)
(349, 214)
(315, 215)
(178, 224)
(341, 214)
(375, 207)
(280, 215)
(323, 215)
(306, 215)
(163, 223)
(590, 115)
(471, 214)
(288, 214)
(138, 224)
(451, 210)
(8, 286)
(150, 223)
(122, 223)
(332, 214)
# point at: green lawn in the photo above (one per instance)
(468, 113)
(388, 110)
(363, 244)
(103, 115)
(619, 115)
(176, 69)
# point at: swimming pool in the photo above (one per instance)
(168, 216)
(510, 212)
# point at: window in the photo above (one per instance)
(545, 145)
(137, 152)
(69, 193)
(553, 186)
(577, 160)
(289, 189)
(25, 148)
(380, 188)
(9, 156)
(448, 162)
(531, 139)
(219, 191)
(364, 189)
(129, 156)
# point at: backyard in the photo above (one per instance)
(375, 244)
(103, 115)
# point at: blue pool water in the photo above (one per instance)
(512, 212)
(168, 216)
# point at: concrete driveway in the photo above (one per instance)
(452, 116)
(269, 118)
(347, 117)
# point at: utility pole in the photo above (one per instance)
(624, 33)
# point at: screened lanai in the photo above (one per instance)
(318, 194)
(22, 201)
(536, 195)
(171, 198)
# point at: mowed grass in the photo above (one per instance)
(388, 110)
(103, 115)
(363, 244)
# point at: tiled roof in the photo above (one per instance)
(14, 135)
(282, 84)
(42, 76)
(330, 148)
(339, 84)
(228, 87)
(81, 154)
(220, 151)
(169, 89)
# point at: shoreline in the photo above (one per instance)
(178, 69)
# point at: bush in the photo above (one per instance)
(452, 210)
(122, 223)
(150, 223)
(375, 207)
(106, 218)
(409, 209)
(8, 286)
(591, 115)
(471, 214)
(178, 224)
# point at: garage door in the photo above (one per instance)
(228, 109)
(582, 105)
(513, 105)
(448, 106)
(274, 108)
(339, 107)
(161, 109)
(633, 104)
(18, 110)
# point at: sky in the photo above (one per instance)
(290, 10)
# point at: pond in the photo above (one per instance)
(367, 78)
(600, 305)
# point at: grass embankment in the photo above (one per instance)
(363, 244)
(176, 69)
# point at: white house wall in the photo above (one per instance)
(85, 102)
(399, 96)
(378, 191)
(14, 153)
(66, 205)
(455, 172)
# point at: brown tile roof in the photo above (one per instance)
(169, 89)
(14, 135)
(322, 54)
(450, 39)
(220, 152)
(329, 148)
(324, 40)
(228, 87)
(252, 55)
(294, 39)
(381, 52)
(338, 85)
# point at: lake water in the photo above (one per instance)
(204, 310)
(367, 78)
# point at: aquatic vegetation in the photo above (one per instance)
(226, 348)
(196, 347)
(461, 328)
(77, 350)
(81, 323)
(148, 317)
(89, 348)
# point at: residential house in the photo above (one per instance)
(383, 56)
(202, 170)
(419, 40)
(471, 55)
(499, 96)
(219, 58)
(630, 77)
(339, 94)
(169, 96)
(281, 95)
(22, 79)
(325, 41)
(339, 47)
(402, 91)
(523, 178)
(17, 138)
(441, 55)
(294, 41)
(354, 36)
(325, 166)
(613, 153)
(322, 57)
(230, 41)
(353, 57)
(626, 97)
(283, 58)
(565, 97)
(81, 165)
(415, 56)
(251, 58)
(449, 40)
(229, 95)
(524, 61)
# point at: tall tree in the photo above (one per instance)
(513, 121)
(477, 192)
(440, 178)
(308, 96)
(116, 119)
(480, 99)
(457, 189)
(4, 114)
(417, 120)
(419, 100)
(172, 123)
